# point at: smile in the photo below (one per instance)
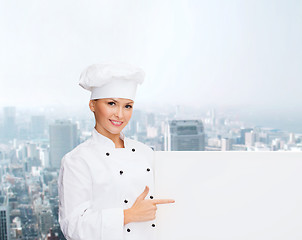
(116, 123)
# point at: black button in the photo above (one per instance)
(125, 200)
(133, 150)
(128, 230)
(151, 197)
(121, 172)
(148, 169)
(153, 225)
(107, 154)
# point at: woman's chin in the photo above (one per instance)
(115, 130)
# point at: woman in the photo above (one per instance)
(106, 184)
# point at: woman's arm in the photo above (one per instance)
(77, 218)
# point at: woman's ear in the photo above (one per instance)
(91, 105)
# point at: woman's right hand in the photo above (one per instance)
(143, 209)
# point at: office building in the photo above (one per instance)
(250, 138)
(63, 138)
(4, 218)
(45, 220)
(226, 144)
(242, 134)
(185, 135)
(9, 128)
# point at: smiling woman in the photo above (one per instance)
(111, 116)
(104, 181)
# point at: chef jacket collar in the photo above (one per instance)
(105, 140)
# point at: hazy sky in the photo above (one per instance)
(193, 52)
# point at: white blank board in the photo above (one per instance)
(229, 195)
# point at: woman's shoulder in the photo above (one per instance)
(80, 150)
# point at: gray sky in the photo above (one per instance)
(193, 52)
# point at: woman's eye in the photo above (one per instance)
(111, 103)
(128, 106)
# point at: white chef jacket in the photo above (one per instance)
(97, 182)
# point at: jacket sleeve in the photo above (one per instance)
(77, 218)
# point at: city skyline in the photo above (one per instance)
(287, 119)
(32, 147)
(31, 125)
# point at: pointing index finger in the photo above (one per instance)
(163, 201)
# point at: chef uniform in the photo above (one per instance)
(98, 181)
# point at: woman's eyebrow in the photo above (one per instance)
(116, 101)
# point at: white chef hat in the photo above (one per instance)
(112, 80)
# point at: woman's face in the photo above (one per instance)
(111, 114)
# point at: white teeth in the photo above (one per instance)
(116, 122)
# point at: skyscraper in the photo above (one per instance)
(226, 144)
(9, 131)
(250, 139)
(242, 134)
(63, 138)
(45, 220)
(4, 219)
(185, 135)
(292, 139)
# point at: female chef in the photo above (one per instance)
(106, 184)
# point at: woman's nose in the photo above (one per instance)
(119, 112)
